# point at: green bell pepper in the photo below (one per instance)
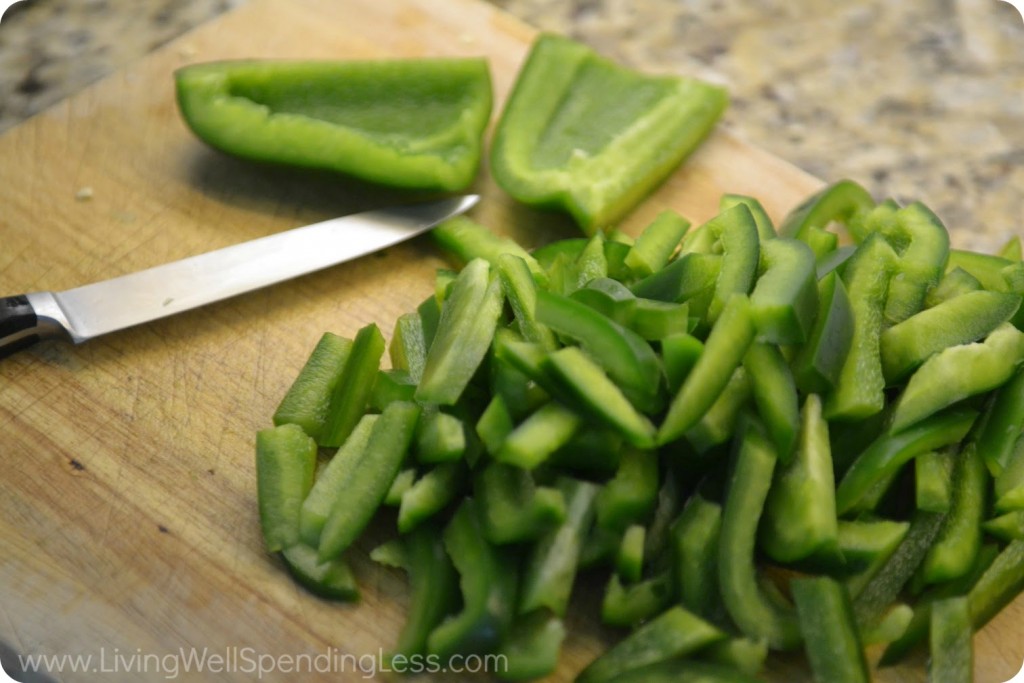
(958, 372)
(819, 361)
(468, 320)
(513, 509)
(414, 123)
(487, 581)
(842, 202)
(800, 512)
(433, 589)
(752, 609)
(354, 386)
(531, 648)
(656, 245)
(671, 635)
(581, 133)
(633, 603)
(550, 570)
(1003, 427)
(723, 352)
(830, 633)
(307, 400)
(950, 642)
(285, 465)
(960, 320)
(784, 301)
(359, 494)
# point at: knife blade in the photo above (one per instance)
(96, 309)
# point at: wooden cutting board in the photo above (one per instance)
(127, 490)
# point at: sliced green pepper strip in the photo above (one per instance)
(430, 494)
(736, 232)
(933, 480)
(629, 560)
(671, 635)
(884, 587)
(1007, 527)
(840, 202)
(859, 388)
(548, 253)
(950, 642)
(468, 320)
(584, 134)
(513, 508)
(588, 389)
(830, 634)
(408, 347)
(656, 243)
(358, 495)
(800, 512)
(740, 654)
(1003, 428)
(922, 242)
(306, 401)
(654, 320)
(390, 385)
(999, 585)
(521, 293)
(487, 582)
(960, 320)
(954, 550)
(987, 269)
(687, 277)
(774, 391)
(835, 259)
(466, 239)
(819, 362)
(494, 425)
(412, 123)
(595, 451)
(785, 299)
(550, 570)
(718, 424)
(355, 386)
(723, 352)
(1009, 487)
(402, 483)
(609, 297)
(521, 394)
(333, 579)
(590, 264)
(865, 547)
(534, 440)
(959, 372)
(891, 451)
(954, 283)
(917, 630)
(755, 615)
(765, 227)
(285, 466)
(627, 358)
(628, 605)
(695, 536)
(531, 648)
(433, 589)
(629, 496)
(316, 507)
(679, 353)
(440, 437)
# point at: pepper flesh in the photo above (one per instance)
(581, 133)
(414, 123)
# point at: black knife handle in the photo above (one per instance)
(19, 324)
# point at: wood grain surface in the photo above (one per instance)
(128, 520)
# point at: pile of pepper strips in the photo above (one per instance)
(761, 439)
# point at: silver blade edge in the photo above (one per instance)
(103, 307)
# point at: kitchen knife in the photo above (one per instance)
(86, 312)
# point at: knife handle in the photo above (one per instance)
(21, 326)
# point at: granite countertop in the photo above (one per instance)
(920, 99)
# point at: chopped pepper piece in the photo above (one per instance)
(830, 633)
(958, 372)
(306, 401)
(414, 123)
(671, 635)
(950, 640)
(285, 465)
(581, 133)
(433, 589)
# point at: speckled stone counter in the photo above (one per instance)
(920, 99)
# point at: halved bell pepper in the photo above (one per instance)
(584, 134)
(414, 123)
